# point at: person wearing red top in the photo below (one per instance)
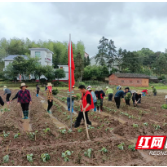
(144, 92)
(86, 105)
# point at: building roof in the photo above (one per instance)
(131, 75)
(41, 49)
(11, 57)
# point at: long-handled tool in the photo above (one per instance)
(86, 124)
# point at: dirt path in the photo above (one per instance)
(59, 124)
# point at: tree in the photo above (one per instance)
(20, 66)
(59, 73)
(79, 67)
(112, 54)
(49, 72)
(86, 61)
(131, 62)
(10, 72)
(39, 71)
(102, 51)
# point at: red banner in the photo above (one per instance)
(72, 67)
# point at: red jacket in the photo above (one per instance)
(84, 101)
(145, 91)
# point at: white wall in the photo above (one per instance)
(65, 67)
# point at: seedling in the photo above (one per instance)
(104, 150)
(135, 125)
(5, 134)
(69, 131)
(108, 129)
(88, 153)
(91, 127)
(45, 157)
(63, 131)
(157, 127)
(120, 146)
(68, 117)
(16, 135)
(146, 124)
(64, 113)
(92, 113)
(80, 130)
(32, 135)
(66, 154)
(131, 147)
(46, 130)
(6, 159)
(29, 157)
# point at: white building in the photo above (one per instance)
(44, 54)
(65, 68)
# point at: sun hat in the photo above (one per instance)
(5, 87)
(98, 88)
(107, 87)
(88, 87)
(49, 84)
(138, 92)
(23, 84)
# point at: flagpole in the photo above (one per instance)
(70, 84)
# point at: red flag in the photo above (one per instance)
(72, 67)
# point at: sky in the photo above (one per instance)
(131, 26)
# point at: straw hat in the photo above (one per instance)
(89, 89)
(98, 88)
(23, 84)
(49, 84)
(5, 87)
(107, 87)
(138, 92)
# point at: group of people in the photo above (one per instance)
(90, 100)
(23, 97)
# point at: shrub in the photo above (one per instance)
(164, 106)
(55, 91)
(78, 96)
(82, 83)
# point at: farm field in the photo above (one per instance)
(113, 133)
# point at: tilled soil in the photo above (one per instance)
(110, 128)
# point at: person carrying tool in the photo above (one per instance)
(144, 92)
(99, 95)
(49, 97)
(86, 105)
(136, 98)
(120, 94)
(38, 88)
(8, 94)
(24, 98)
(154, 90)
(109, 91)
(128, 96)
(93, 96)
(68, 99)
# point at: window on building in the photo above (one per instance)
(138, 81)
(37, 54)
(61, 67)
(122, 81)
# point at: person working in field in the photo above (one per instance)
(99, 95)
(128, 96)
(7, 92)
(144, 92)
(136, 98)
(109, 91)
(86, 105)
(154, 90)
(119, 87)
(24, 98)
(49, 97)
(68, 99)
(119, 94)
(93, 96)
(38, 88)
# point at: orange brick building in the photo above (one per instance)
(129, 79)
